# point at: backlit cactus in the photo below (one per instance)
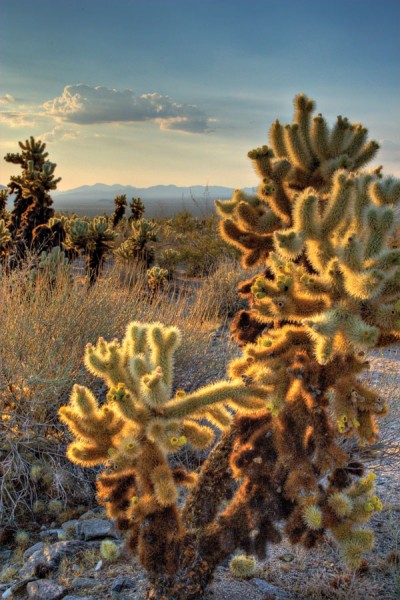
(137, 209)
(142, 422)
(119, 210)
(329, 292)
(136, 247)
(157, 279)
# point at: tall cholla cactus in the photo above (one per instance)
(137, 209)
(141, 423)
(32, 204)
(329, 292)
(94, 238)
(136, 246)
(119, 210)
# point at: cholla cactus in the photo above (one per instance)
(156, 279)
(3, 203)
(329, 293)
(141, 423)
(137, 209)
(136, 246)
(52, 265)
(5, 240)
(119, 211)
(32, 204)
(94, 238)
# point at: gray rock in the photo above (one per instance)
(45, 589)
(70, 526)
(73, 597)
(17, 590)
(80, 583)
(47, 559)
(5, 555)
(123, 583)
(95, 528)
(51, 534)
(89, 514)
(267, 588)
(29, 551)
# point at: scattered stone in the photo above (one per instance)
(270, 589)
(45, 589)
(51, 534)
(123, 583)
(287, 557)
(17, 590)
(47, 559)
(95, 528)
(70, 526)
(73, 597)
(5, 555)
(89, 514)
(99, 565)
(29, 551)
(80, 583)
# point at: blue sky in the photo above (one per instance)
(177, 91)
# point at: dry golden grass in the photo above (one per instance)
(43, 333)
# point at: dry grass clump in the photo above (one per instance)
(43, 333)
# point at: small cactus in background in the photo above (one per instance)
(119, 211)
(3, 203)
(136, 248)
(5, 242)
(137, 209)
(109, 550)
(52, 265)
(94, 238)
(169, 259)
(156, 279)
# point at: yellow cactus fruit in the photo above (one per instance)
(109, 550)
(242, 566)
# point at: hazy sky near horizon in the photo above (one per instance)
(147, 92)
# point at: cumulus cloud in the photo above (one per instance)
(86, 105)
(59, 134)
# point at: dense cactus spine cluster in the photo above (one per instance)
(328, 292)
(136, 247)
(119, 210)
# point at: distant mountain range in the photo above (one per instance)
(159, 200)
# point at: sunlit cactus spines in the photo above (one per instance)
(51, 266)
(120, 204)
(32, 203)
(329, 292)
(157, 279)
(139, 425)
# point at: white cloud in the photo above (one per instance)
(59, 134)
(16, 119)
(86, 105)
(7, 99)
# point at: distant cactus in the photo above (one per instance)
(137, 209)
(3, 202)
(94, 238)
(156, 279)
(119, 211)
(52, 265)
(32, 204)
(136, 248)
(5, 242)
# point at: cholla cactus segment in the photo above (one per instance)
(142, 421)
(136, 246)
(5, 236)
(53, 264)
(242, 566)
